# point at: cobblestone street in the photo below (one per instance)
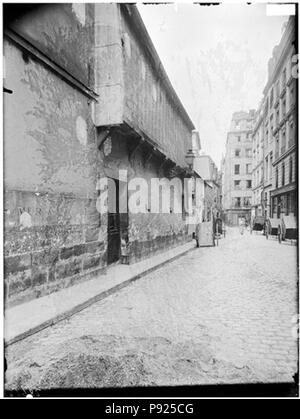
(217, 315)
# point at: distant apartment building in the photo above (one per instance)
(258, 165)
(274, 135)
(237, 168)
(206, 168)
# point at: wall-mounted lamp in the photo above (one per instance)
(189, 158)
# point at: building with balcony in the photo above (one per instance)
(279, 118)
(237, 168)
(86, 99)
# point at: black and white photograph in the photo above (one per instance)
(150, 202)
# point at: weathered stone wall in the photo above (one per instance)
(151, 233)
(148, 233)
(54, 236)
(64, 32)
(53, 233)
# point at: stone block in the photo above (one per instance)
(39, 276)
(17, 263)
(45, 257)
(68, 268)
(19, 282)
(94, 247)
(92, 262)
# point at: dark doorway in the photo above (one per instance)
(279, 204)
(117, 219)
(113, 223)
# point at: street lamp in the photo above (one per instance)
(189, 158)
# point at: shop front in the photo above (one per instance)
(284, 201)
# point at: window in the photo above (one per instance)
(237, 153)
(276, 177)
(283, 108)
(236, 169)
(277, 116)
(267, 167)
(271, 161)
(277, 90)
(237, 184)
(247, 201)
(283, 79)
(291, 133)
(283, 174)
(239, 138)
(271, 97)
(248, 152)
(237, 202)
(277, 147)
(249, 184)
(272, 123)
(283, 142)
(248, 169)
(292, 99)
(291, 170)
(267, 135)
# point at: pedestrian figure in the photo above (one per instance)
(242, 225)
(198, 220)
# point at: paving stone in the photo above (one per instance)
(236, 301)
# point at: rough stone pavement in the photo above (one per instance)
(217, 315)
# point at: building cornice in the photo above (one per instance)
(285, 45)
(283, 156)
(287, 188)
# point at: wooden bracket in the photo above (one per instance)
(141, 141)
(101, 137)
(148, 158)
(165, 159)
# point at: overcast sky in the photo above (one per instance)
(216, 58)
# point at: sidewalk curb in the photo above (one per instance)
(98, 297)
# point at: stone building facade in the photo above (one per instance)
(89, 98)
(278, 122)
(237, 168)
(258, 166)
(208, 171)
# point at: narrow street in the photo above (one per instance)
(216, 315)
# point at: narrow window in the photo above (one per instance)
(291, 170)
(283, 174)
